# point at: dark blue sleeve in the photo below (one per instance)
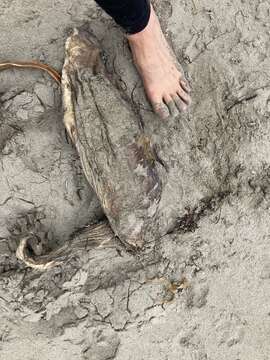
(131, 15)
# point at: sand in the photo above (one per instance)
(208, 296)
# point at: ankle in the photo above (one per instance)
(138, 37)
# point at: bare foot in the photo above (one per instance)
(164, 84)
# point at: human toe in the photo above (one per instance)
(171, 106)
(161, 109)
(181, 105)
(185, 85)
(184, 95)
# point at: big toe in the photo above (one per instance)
(159, 107)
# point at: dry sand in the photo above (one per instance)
(222, 309)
